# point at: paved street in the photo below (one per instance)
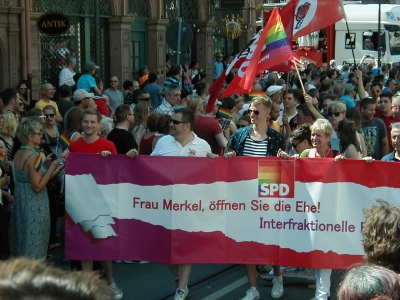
(207, 282)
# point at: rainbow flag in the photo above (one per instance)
(38, 162)
(229, 120)
(64, 141)
(269, 47)
(277, 47)
(1, 158)
(256, 94)
(223, 113)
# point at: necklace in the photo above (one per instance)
(30, 148)
(326, 153)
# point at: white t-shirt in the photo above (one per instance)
(168, 146)
(66, 77)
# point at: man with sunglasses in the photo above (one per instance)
(218, 65)
(182, 141)
(258, 140)
(47, 90)
(376, 90)
(142, 96)
(115, 95)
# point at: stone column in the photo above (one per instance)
(36, 53)
(156, 30)
(120, 48)
(205, 48)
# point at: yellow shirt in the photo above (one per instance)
(41, 104)
(276, 126)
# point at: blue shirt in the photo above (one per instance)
(153, 90)
(390, 157)
(218, 69)
(350, 103)
(86, 82)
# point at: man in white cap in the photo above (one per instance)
(275, 93)
(82, 99)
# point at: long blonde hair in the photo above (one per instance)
(10, 123)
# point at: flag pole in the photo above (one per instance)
(348, 32)
(298, 74)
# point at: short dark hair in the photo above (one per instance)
(230, 101)
(174, 70)
(187, 115)
(306, 111)
(139, 94)
(200, 88)
(127, 84)
(313, 92)
(387, 95)
(8, 95)
(366, 101)
(326, 84)
(121, 112)
(152, 77)
(65, 91)
(375, 82)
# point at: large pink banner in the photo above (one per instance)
(306, 213)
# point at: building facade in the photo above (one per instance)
(118, 35)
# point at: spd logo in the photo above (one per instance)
(276, 178)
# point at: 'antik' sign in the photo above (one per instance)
(53, 23)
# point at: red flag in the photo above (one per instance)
(216, 87)
(270, 47)
(310, 15)
(287, 13)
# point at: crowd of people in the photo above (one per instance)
(338, 113)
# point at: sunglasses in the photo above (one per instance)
(176, 122)
(295, 145)
(241, 126)
(40, 133)
(256, 112)
(49, 115)
(331, 113)
(146, 99)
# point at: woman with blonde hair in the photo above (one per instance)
(7, 132)
(336, 113)
(196, 104)
(30, 217)
(321, 133)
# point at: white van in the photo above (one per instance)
(363, 26)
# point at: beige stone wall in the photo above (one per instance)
(10, 44)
